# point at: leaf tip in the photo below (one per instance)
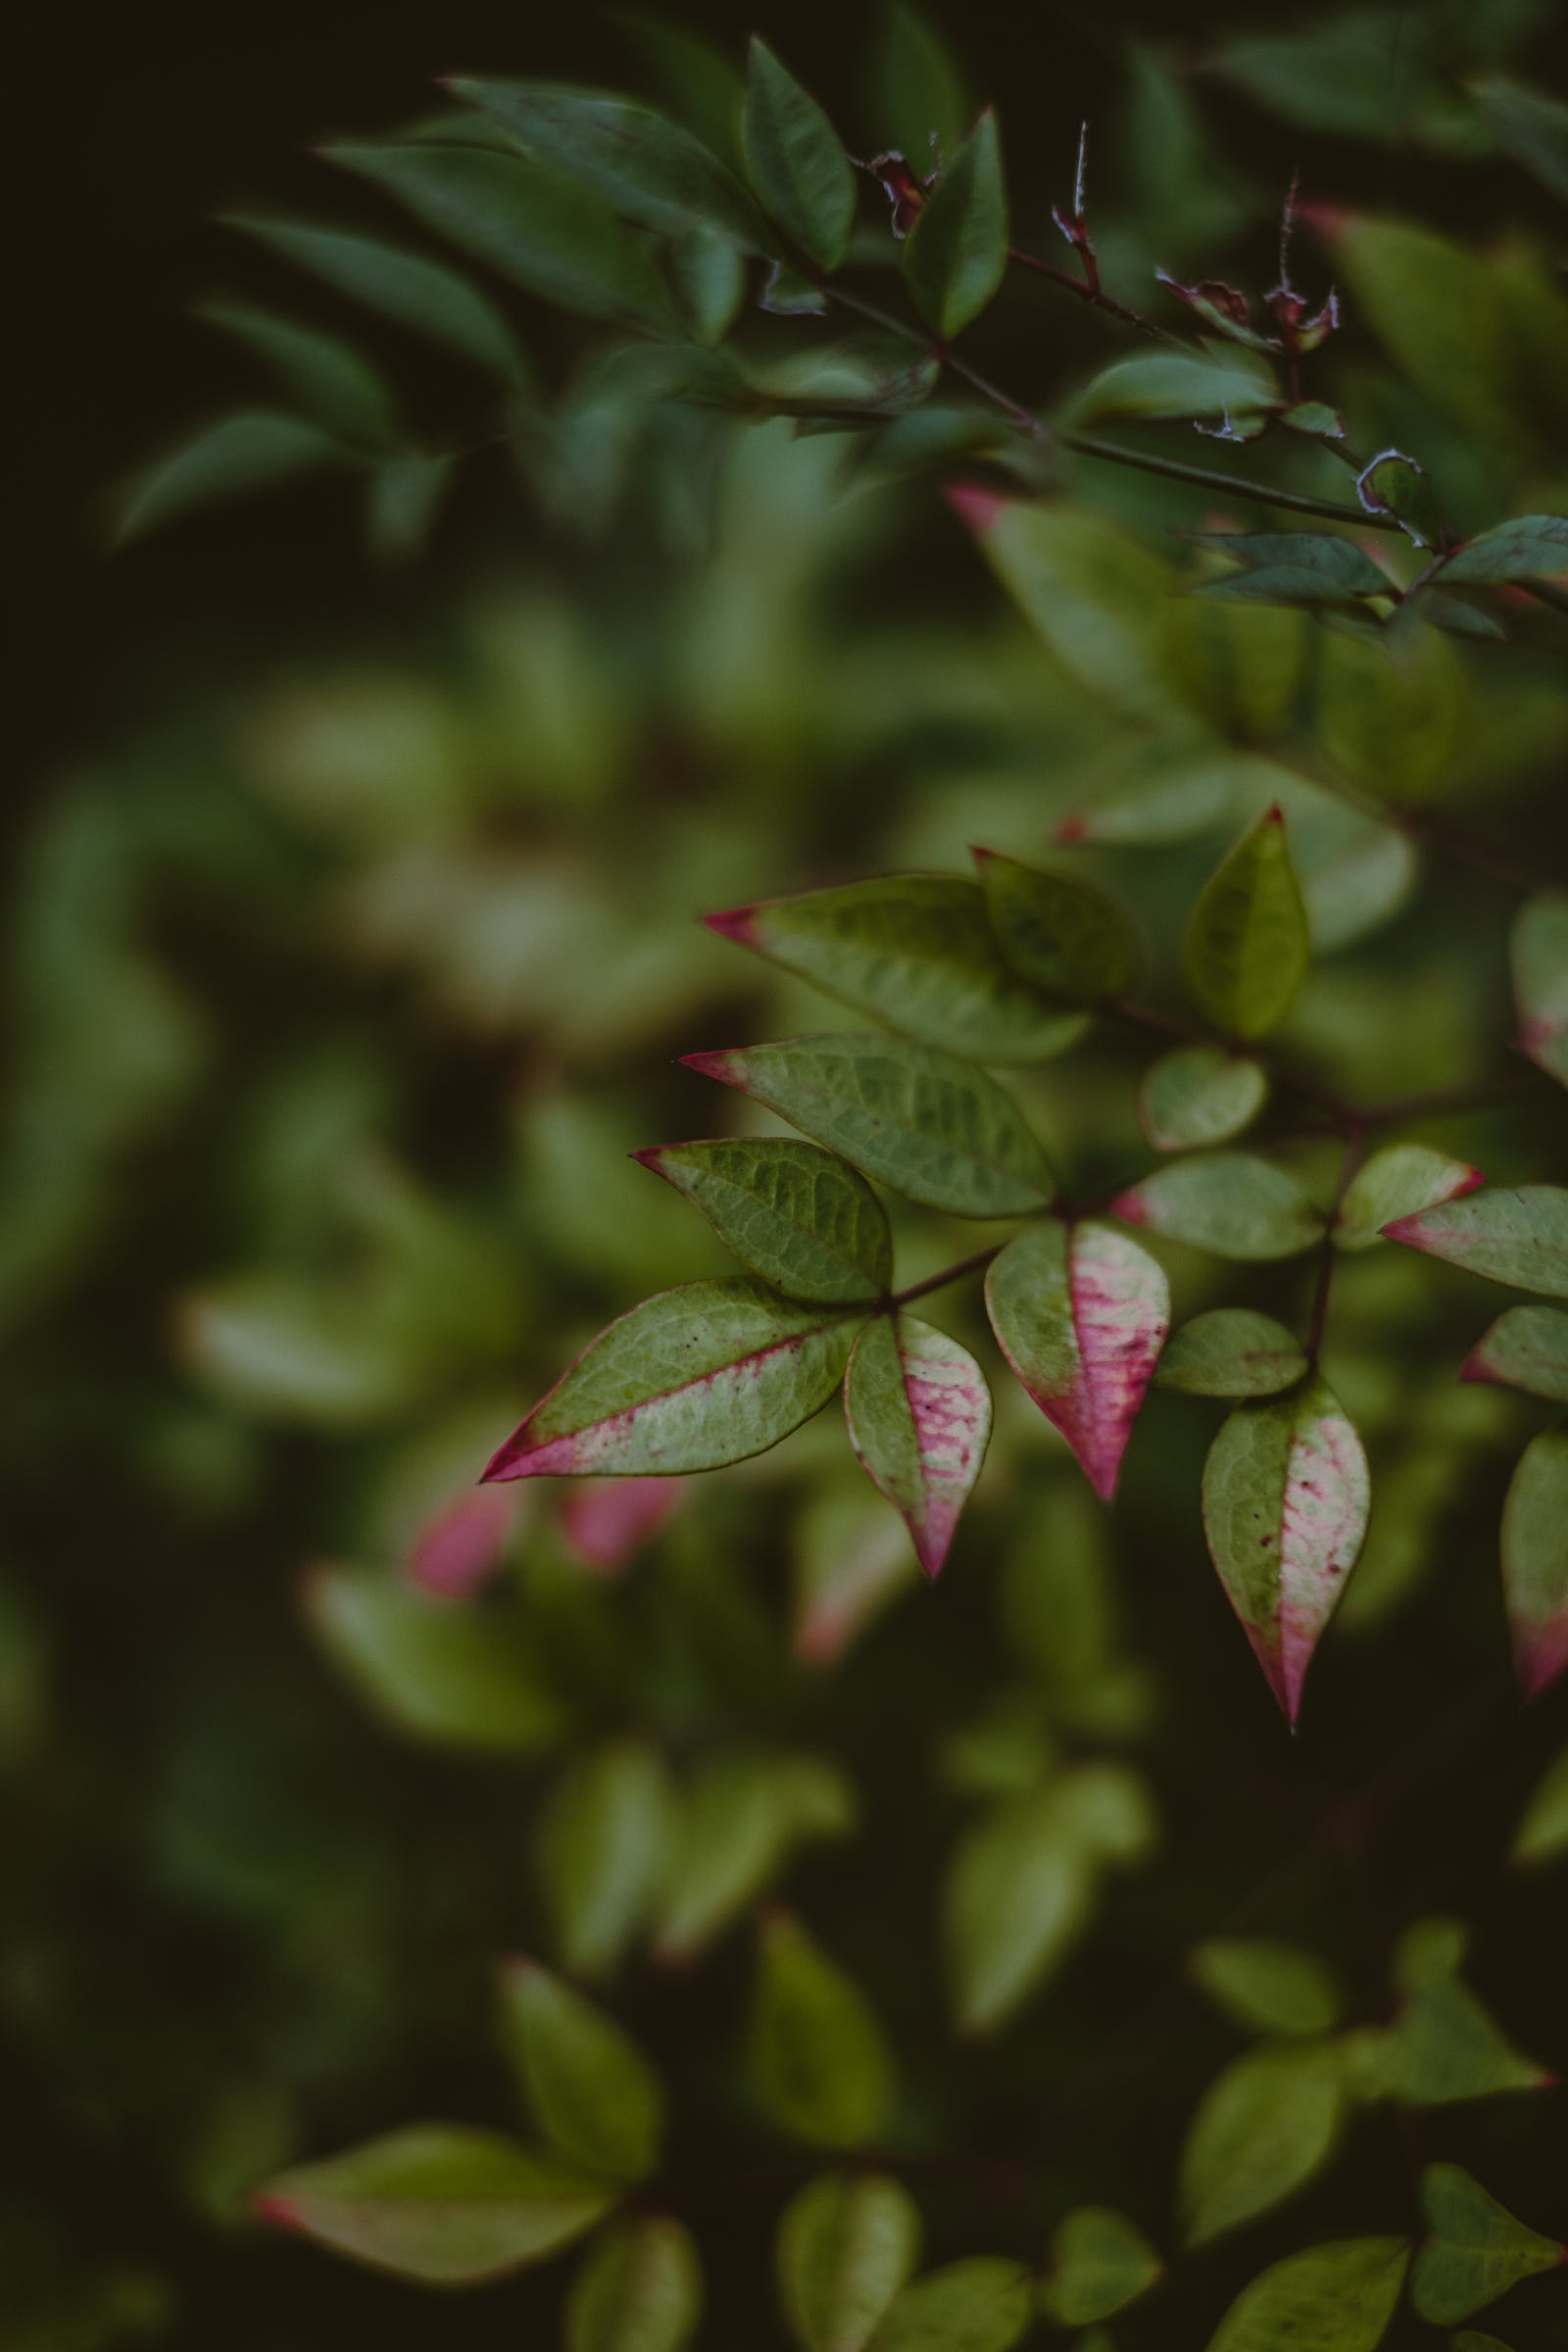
(973, 504)
(711, 1066)
(737, 923)
(279, 2213)
(1274, 814)
(982, 857)
(1471, 1181)
(1130, 1207)
(1541, 1653)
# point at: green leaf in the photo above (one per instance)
(463, 1675)
(739, 1821)
(405, 496)
(1100, 2262)
(694, 1378)
(919, 1418)
(1265, 2127)
(1397, 1182)
(1247, 947)
(1439, 308)
(1470, 2339)
(982, 2304)
(1268, 1988)
(1315, 417)
(1176, 383)
(1292, 567)
(1061, 933)
(1443, 2046)
(1286, 1498)
(916, 951)
(1227, 1202)
(1355, 873)
(1198, 1095)
(956, 254)
(815, 2055)
(798, 1215)
(257, 450)
(1333, 2298)
(913, 1119)
(423, 296)
(710, 274)
(797, 161)
(649, 169)
(1390, 714)
(1095, 594)
(846, 2245)
(326, 376)
(640, 2289)
(1539, 954)
(590, 2087)
(603, 1848)
(1236, 666)
(542, 230)
(1542, 1832)
(1528, 548)
(918, 87)
(1530, 126)
(1516, 1236)
(1534, 1559)
(438, 2203)
(1231, 1351)
(1022, 1886)
(1476, 2250)
(1081, 1314)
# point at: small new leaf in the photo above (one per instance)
(1231, 1351)
(957, 252)
(920, 1418)
(1198, 1095)
(1247, 947)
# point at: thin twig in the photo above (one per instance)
(953, 1273)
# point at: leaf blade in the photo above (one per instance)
(919, 1420)
(796, 161)
(956, 254)
(1247, 947)
(795, 1214)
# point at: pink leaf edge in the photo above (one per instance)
(1539, 1654)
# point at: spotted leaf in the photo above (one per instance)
(919, 1415)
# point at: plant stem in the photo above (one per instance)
(955, 1273)
(1328, 1253)
(1225, 485)
(1095, 295)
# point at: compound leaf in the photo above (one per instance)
(1227, 1202)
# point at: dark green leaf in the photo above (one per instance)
(1175, 383)
(916, 951)
(324, 375)
(1248, 947)
(797, 161)
(1099, 2263)
(1231, 1351)
(640, 2289)
(982, 2304)
(1292, 567)
(1198, 1095)
(956, 253)
(798, 1215)
(404, 497)
(1095, 594)
(1264, 2129)
(438, 2203)
(709, 276)
(913, 1119)
(1543, 1832)
(1534, 1559)
(1061, 933)
(1268, 1988)
(817, 2058)
(254, 451)
(1286, 1497)
(1226, 1201)
(591, 2090)
(846, 2245)
(424, 296)
(692, 1378)
(1333, 2298)
(919, 94)
(1476, 2250)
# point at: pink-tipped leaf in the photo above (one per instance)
(1517, 1235)
(1534, 1559)
(919, 1418)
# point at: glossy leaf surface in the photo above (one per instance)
(956, 251)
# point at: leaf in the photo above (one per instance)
(1534, 1559)
(956, 254)
(1293, 568)
(710, 274)
(423, 296)
(918, 87)
(1539, 954)
(815, 2055)
(1398, 1181)
(1237, 666)
(1265, 2128)
(1061, 933)
(590, 2087)
(1227, 1202)
(1518, 1236)
(1286, 1497)
(982, 2304)
(1438, 310)
(1390, 713)
(694, 1378)
(798, 1215)
(257, 450)
(461, 1675)
(916, 951)
(405, 496)
(1442, 2046)
(1176, 383)
(1231, 1351)
(1094, 593)
(1247, 947)
(1333, 2298)
(1175, 792)
(1099, 2263)
(650, 169)
(1355, 875)
(602, 1849)
(1476, 2250)
(1268, 1988)
(1198, 1095)
(1530, 126)
(325, 376)
(920, 1418)
(542, 230)
(931, 1127)
(438, 2203)
(1542, 1832)
(1528, 548)
(1081, 1315)
(741, 1818)
(640, 2289)
(797, 161)
(846, 2245)
(1022, 1886)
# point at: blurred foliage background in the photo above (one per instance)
(352, 942)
